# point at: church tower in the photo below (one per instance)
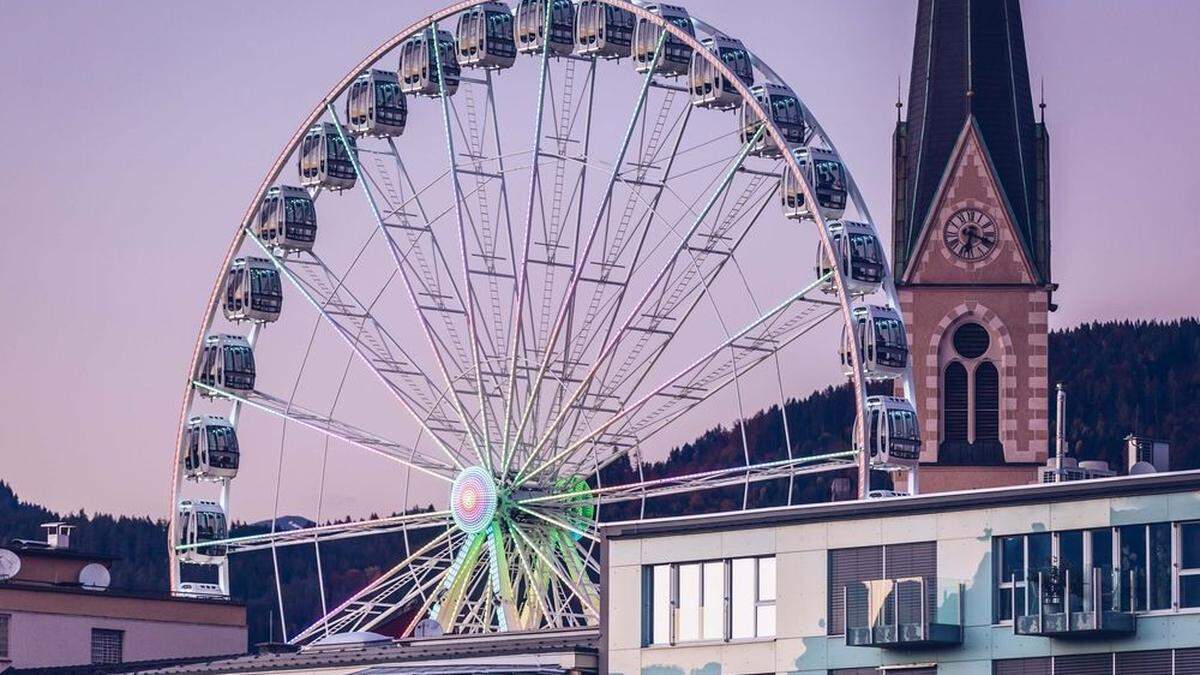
(971, 238)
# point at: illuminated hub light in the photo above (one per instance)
(473, 500)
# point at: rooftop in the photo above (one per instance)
(1118, 486)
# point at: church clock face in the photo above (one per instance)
(970, 234)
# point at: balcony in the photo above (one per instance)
(1069, 604)
(904, 613)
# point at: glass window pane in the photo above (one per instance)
(661, 633)
(742, 598)
(1133, 562)
(1160, 566)
(714, 601)
(1040, 552)
(1101, 547)
(688, 626)
(766, 621)
(1012, 559)
(1189, 590)
(766, 578)
(1004, 604)
(1189, 544)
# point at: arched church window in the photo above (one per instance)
(987, 402)
(954, 404)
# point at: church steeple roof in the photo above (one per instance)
(969, 60)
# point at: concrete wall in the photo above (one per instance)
(39, 640)
(801, 645)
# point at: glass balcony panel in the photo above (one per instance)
(909, 612)
(1063, 602)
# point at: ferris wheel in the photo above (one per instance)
(513, 249)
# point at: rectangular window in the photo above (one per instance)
(4, 635)
(1010, 566)
(1189, 564)
(1133, 564)
(1159, 555)
(709, 601)
(108, 646)
(687, 626)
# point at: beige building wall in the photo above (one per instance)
(964, 549)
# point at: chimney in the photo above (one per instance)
(1060, 445)
(58, 535)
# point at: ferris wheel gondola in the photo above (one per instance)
(537, 299)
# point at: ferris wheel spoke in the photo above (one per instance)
(622, 256)
(471, 306)
(653, 323)
(516, 330)
(576, 588)
(606, 201)
(438, 302)
(559, 523)
(374, 346)
(333, 428)
(333, 532)
(635, 368)
(706, 480)
(410, 581)
(695, 383)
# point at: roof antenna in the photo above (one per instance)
(899, 104)
(1042, 105)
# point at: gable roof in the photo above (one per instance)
(970, 130)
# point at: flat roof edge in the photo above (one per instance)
(1015, 495)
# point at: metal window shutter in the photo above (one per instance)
(1034, 666)
(917, 559)
(1156, 662)
(1187, 661)
(1084, 664)
(846, 566)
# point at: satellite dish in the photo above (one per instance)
(94, 577)
(1141, 469)
(427, 628)
(10, 564)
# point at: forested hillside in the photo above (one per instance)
(1141, 377)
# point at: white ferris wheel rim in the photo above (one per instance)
(387, 49)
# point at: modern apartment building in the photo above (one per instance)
(1090, 577)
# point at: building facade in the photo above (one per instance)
(1096, 577)
(971, 246)
(57, 609)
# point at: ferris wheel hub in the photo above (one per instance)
(473, 500)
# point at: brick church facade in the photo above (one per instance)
(971, 239)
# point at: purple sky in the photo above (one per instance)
(137, 132)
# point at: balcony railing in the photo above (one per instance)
(1065, 603)
(904, 613)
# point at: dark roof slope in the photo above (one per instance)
(969, 59)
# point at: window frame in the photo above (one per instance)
(5, 628)
(120, 645)
(1177, 565)
(1142, 603)
(725, 603)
